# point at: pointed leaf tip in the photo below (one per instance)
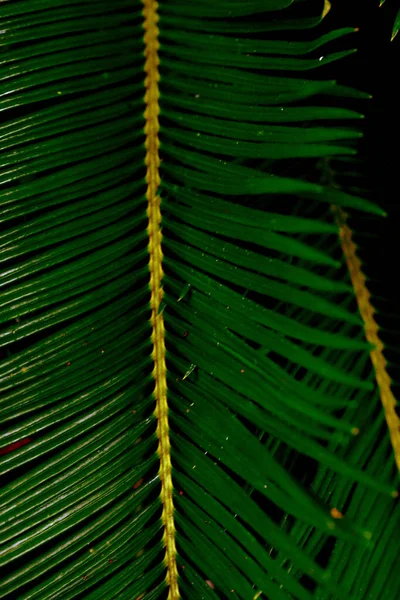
(326, 9)
(396, 26)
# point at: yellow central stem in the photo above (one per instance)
(371, 330)
(156, 275)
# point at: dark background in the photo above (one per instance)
(375, 68)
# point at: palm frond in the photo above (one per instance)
(189, 407)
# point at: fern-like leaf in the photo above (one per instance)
(189, 408)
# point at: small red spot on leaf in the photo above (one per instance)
(68, 364)
(181, 493)
(186, 334)
(210, 584)
(15, 446)
(138, 484)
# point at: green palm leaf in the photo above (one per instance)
(189, 406)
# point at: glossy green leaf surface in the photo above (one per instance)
(274, 412)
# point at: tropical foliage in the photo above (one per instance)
(188, 403)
